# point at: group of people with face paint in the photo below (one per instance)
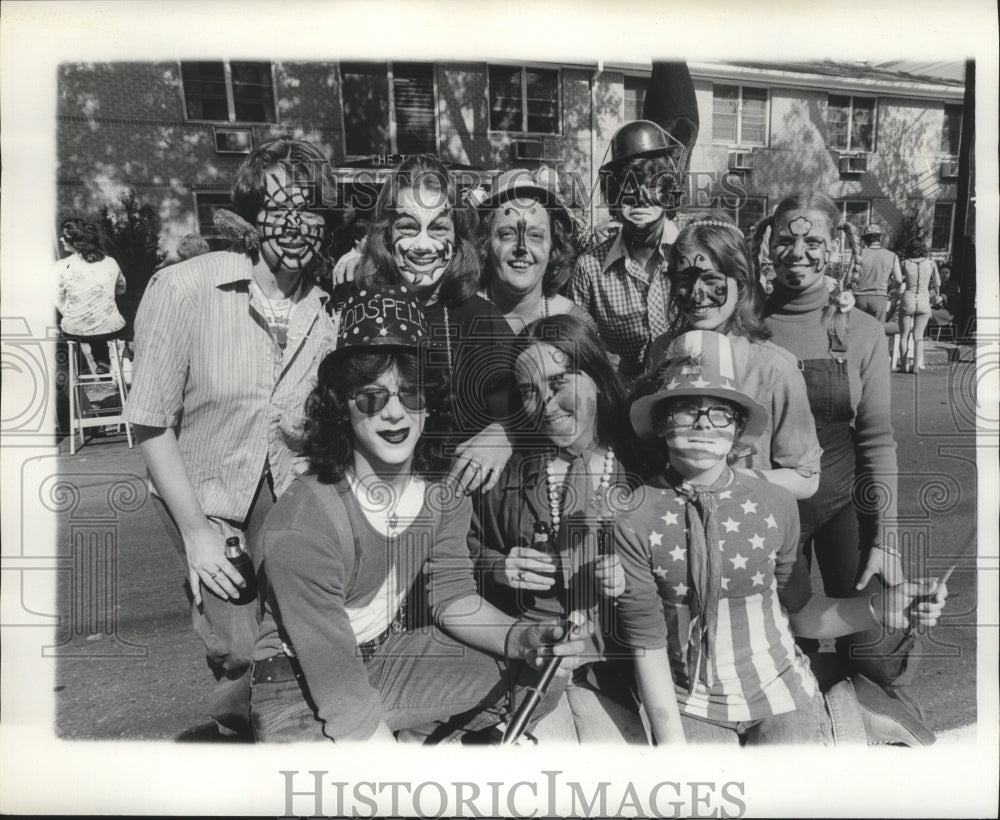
(428, 471)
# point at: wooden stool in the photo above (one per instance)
(81, 413)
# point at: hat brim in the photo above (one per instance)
(673, 151)
(528, 191)
(757, 419)
(379, 345)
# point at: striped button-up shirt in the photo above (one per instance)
(617, 291)
(206, 365)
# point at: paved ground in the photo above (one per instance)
(130, 667)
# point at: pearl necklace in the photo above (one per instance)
(557, 488)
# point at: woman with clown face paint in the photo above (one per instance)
(227, 348)
(421, 236)
(713, 287)
(850, 522)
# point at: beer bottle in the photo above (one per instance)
(238, 558)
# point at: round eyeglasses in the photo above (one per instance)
(373, 400)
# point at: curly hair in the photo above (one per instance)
(328, 438)
(561, 258)
(83, 238)
(728, 252)
(377, 268)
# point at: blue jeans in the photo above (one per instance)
(809, 724)
(430, 686)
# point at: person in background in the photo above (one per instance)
(920, 280)
(87, 283)
(878, 266)
(191, 245)
(227, 346)
(527, 248)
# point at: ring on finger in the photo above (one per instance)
(213, 574)
(520, 575)
(475, 468)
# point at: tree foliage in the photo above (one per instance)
(132, 233)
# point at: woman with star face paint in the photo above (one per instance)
(227, 347)
(850, 522)
(422, 236)
(528, 250)
(713, 287)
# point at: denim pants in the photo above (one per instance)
(430, 686)
(809, 724)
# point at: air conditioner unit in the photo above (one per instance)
(233, 140)
(529, 150)
(853, 163)
(741, 160)
(949, 168)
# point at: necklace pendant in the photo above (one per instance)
(393, 521)
(281, 337)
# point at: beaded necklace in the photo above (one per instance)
(557, 487)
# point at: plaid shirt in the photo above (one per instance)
(615, 290)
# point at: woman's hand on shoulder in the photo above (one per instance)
(479, 461)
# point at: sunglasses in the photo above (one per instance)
(373, 400)
(687, 415)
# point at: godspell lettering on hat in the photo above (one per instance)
(379, 307)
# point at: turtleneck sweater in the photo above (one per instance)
(795, 320)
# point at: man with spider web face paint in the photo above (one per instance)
(227, 349)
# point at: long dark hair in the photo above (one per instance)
(561, 259)
(328, 439)
(302, 160)
(729, 254)
(83, 238)
(377, 268)
(586, 354)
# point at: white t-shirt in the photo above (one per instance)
(86, 295)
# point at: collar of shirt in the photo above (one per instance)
(668, 234)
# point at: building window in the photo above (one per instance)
(855, 211)
(205, 203)
(944, 213)
(524, 100)
(850, 123)
(739, 115)
(228, 91)
(376, 122)
(635, 96)
(951, 133)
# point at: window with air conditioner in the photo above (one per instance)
(951, 131)
(853, 163)
(741, 160)
(739, 115)
(228, 91)
(850, 123)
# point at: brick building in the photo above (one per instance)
(880, 140)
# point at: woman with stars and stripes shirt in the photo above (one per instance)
(715, 584)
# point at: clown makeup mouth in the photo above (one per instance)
(422, 266)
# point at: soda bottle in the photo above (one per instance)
(238, 558)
